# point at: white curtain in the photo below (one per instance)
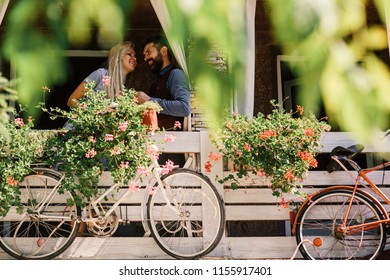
(244, 102)
(161, 10)
(3, 8)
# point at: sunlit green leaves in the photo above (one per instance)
(207, 25)
(7, 94)
(32, 50)
(101, 138)
(25, 148)
(280, 146)
(109, 19)
(332, 36)
(341, 65)
(37, 32)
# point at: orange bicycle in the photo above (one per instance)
(344, 222)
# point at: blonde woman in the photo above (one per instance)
(121, 61)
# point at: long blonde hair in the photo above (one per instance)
(115, 68)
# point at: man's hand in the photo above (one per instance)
(142, 97)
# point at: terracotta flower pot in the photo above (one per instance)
(150, 120)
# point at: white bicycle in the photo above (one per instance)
(185, 215)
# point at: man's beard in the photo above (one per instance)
(156, 65)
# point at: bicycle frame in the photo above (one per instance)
(155, 171)
(361, 179)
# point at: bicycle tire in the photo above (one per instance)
(316, 227)
(197, 227)
(24, 234)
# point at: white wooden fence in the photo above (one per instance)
(251, 202)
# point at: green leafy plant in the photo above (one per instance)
(104, 136)
(7, 94)
(20, 149)
(281, 146)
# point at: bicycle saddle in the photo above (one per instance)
(343, 154)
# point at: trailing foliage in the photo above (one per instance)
(7, 94)
(280, 146)
(103, 136)
(19, 151)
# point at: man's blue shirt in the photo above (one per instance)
(178, 86)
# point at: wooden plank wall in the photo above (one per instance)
(250, 205)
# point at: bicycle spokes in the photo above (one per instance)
(44, 226)
(324, 222)
(186, 214)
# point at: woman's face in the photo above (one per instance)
(129, 61)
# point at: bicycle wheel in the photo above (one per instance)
(318, 221)
(44, 227)
(189, 221)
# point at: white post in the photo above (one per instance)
(216, 172)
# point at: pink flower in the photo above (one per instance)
(309, 132)
(284, 203)
(168, 167)
(19, 121)
(124, 165)
(177, 125)
(207, 166)
(11, 181)
(307, 156)
(247, 147)
(152, 151)
(39, 148)
(134, 188)
(214, 157)
(82, 106)
(152, 190)
(142, 170)
(260, 173)
(289, 176)
(123, 126)
(106, 81)
(91, 153)
(169, 138)
(267, 134)
(313, 162)
(92, 139)
(109, 137)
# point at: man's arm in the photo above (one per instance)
(179, 89)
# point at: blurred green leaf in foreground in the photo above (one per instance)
(340, 62)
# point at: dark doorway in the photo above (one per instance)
(79, 67)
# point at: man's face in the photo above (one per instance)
(153, 57)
